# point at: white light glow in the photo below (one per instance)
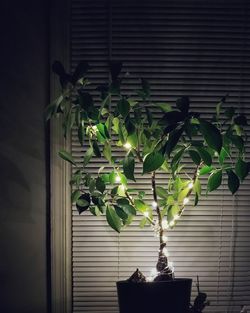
(165, 224)
(146, 214)
(127, 146)
(172, 223)
(118, 179)
(176, 217)
(190, 185)
(185, 201)
(164, 238)
(165, 252)
(154, 204)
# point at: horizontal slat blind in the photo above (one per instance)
(195, 48)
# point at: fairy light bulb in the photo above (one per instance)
(165, 224)
(118, 179)
(190, 185)
(185, 201)
(165, 252)
(172, 223)
(127, 146)
(154, 204)
(164, 238)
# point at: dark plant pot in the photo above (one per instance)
(153, 297)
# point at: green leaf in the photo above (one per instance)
(165, 107)
(107, 151)
(173, 139)
(88, 155)
(113, 219)
(81, 132)
(195, 156)
(140, 205)
(149, 116)
(123, 107)
(183, 104)
(66, 156)
(205, 170)
(240, 120)
(129, 167)
(120, 212)
(102, 128)
(152, 162)
(211, 135)
(205, 155)
(86, 101)
(233, 181)
(173, 210)
(223, 155)
(176, 159)
(183, 194)
(241, 169)
(161, 192)
(83, 202)
(124, 204)
(197, 187)
(100, 184)
(173, 117)
(96, 149)
(75, 196)
(130, 127)
(238, 142)
(214, 180)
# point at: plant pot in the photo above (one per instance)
(153, 297)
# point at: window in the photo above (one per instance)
(194, 48)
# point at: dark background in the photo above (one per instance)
(24, 92)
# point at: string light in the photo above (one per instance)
(172, 223)
(118, 179)
(185, 201)
(127, 146)
(164, 238)
(190, 185)
(165, 224)
(154, 204)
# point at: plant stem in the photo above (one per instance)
(162, 243)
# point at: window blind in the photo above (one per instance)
(189, 48)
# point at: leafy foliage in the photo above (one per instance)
(215, 146)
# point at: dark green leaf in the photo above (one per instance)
(130, 127)
(173, 139)
(149, 116)
(96, 149)
(123, 107)
(241, 169)
(80, 70)
(238, 142)
(165, 107)
(107, 151)
(183, 104)
(88, 155)
(205, 155)
(66, 156)
(211, 135)
(120, 212)
(176, 159)
(240, 120)
(195, 157)
(113, 219)
(233, 181)
(102, 128)
(152, 162)
(86, 101)
(172, 117)
(83, 202)
(100, 184)
(214, 180)
(196, 200)
(129, 167)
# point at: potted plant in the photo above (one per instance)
(214, 145)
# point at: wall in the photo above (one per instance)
(23, 96)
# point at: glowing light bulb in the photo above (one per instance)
(190, 185)
(185, 201)
(127, 146)
(154, 204)
(165, 224)
(146, 214)
(118, 179)
(164, 238)
(172, 223)
(165, 252)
